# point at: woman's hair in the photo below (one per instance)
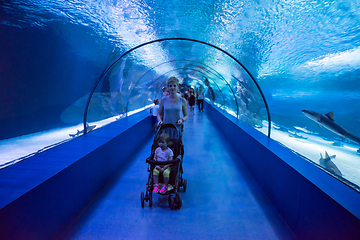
(172, 80)
(156, 101)
(164, 89)
(165, 137)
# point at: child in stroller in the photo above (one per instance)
(166, 171)
(162, 153)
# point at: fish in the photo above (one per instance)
(327, 121)
(296, 135)
(329, 165)
(78, 133)
(303, 130)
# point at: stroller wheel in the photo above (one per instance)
(150, 199)
(171, 202)
(184, 185)
(142, 199)
(178, 201)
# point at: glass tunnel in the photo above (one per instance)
(231, 87)
(289, 69)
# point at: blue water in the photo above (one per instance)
(303, 54)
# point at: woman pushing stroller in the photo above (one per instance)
(173, 108)
(171, 116)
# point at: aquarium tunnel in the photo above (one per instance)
(274, 155)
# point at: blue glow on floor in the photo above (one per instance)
(222, 200)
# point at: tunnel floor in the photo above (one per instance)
(222, 200)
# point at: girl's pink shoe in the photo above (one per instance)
(163, 189)
(156, 188)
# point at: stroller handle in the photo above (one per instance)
(166, 125)
(162, 162)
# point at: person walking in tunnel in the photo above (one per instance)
(186, 93)
(154, 110)
(192, 101)
(200, 99)
(173, 108)
(165, 92)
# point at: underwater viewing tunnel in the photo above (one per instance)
(275, 155)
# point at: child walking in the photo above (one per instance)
(162, 153)
(154, 110)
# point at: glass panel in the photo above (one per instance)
(43, 92)
(251, 105)
(107, 103)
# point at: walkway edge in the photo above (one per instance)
(314, 204)
(43, 194)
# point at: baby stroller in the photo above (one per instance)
(176, 179)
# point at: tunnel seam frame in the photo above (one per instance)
(176, 39)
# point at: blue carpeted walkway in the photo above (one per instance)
(222, 200)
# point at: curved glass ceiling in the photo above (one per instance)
(134, 80)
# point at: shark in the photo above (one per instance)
(327, 121)
(78, 133)
(329, 165)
